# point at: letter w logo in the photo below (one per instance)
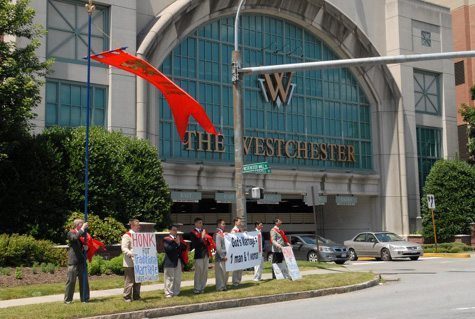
(273, 85)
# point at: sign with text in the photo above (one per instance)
(244, 250)
(145, 257)
(292, 266)
(258, 168)
(430, 201)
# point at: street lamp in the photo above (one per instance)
(238, 126)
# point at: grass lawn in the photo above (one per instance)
(156, 299)
(109, 282)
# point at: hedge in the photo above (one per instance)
(23, 250)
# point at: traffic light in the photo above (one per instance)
(257, 193)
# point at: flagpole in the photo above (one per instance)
(90, 9)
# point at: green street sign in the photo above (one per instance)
(257, 168)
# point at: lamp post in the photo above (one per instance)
(238, 126)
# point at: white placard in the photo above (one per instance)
(292, 266)
(244, 250)
(145, 257)
(431, 201)
(279, 270)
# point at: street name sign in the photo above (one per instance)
(257, 168)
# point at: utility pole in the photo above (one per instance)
(238, 126)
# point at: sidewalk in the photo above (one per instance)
(154, 287)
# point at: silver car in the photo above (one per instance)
(382, 246)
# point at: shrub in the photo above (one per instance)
(34, 268)
(43, 180)
(125, 174)
(191, 261)
(452, 183)
(114, 266)
(96, 266)
(108, 230)
(23, 250)
(18, 273)
(447, 248)
(5, 271)
(48, 268)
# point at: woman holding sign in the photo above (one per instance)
(131, 288)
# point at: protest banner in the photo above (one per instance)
(145, 257)
(292, 267)
(244, 250)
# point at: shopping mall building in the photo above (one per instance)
(363, 137)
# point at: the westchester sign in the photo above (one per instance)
(273, 147)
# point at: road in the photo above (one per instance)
(435, 288)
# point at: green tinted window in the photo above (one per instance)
(66, 104)
(327, 106)
(428, 150)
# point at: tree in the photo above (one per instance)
(21, 72)
(125, 175)
(453, 185)
(47, 181)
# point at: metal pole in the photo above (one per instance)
(435, 231)
(238, 126)
(90, 9)
(293, 67)
(315, 221)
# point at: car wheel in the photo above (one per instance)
(385, 255)
(312, 256)
(414, 258)
(353, 255)
(269, 257)
(340, 262)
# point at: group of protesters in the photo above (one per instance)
(175, 258)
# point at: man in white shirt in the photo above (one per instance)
(237, 274)
(131, 288)
(258, 268)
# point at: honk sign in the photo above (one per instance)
(145, 257)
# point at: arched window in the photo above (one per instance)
(327, 107)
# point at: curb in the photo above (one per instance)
(233, 303)
(447, 255)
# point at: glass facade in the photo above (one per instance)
(427, 92)
(428, 150)
(327, 107)
(67, 30)
(66, 104)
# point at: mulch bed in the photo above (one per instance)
(29, 278)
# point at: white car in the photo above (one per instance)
(382, 246)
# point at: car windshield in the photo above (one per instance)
(387, 237)
(311, 240)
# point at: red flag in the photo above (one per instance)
(184, 252)
(181, 103)
(92, 246)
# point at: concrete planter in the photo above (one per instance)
(414, 238)
(465, 239)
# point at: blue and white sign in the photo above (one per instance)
(145, 257)
(244, 250)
